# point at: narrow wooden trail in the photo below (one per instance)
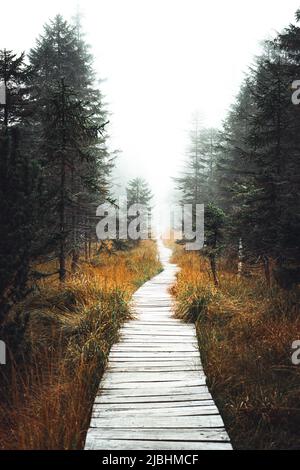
(153, 394)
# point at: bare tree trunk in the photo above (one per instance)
(213, 266)
(74, 264)
(267, 271)
(75, 259)
(62, 251)
(240, 258)
(90, 247)
(86, 240)
(5, 119)
(149, 224)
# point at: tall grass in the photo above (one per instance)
(245, 333)
(65, 334)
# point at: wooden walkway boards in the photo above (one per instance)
(153, 394)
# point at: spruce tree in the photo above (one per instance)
(19, 176)
(139, 192)
(61, 53)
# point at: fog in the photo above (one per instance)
(160, 61)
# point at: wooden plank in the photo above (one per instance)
(156, 345)
(127, 367)
(150, 376)
(163, 411)
(175, 398)
(154, 327)
(172, 390)
(106, 444)
(156, 341)
(153, 405)
(110, 383)
(157, 354)
(159, 330)
(131, 361)
(136, 421)
(161, 369)
(180, 362)
(158, 338)
(154, 322)
(190, 434)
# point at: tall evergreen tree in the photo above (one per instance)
(61, 53)
(19, 175)
(139, 192)
(197, 183)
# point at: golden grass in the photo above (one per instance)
(65, 334)
(245, 333)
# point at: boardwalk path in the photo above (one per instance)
(153, 394)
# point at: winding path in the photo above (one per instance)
(153, 394)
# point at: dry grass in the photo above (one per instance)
(65, 335)
(245, 333)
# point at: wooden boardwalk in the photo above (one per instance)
(153, 394)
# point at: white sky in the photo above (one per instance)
(162, 60)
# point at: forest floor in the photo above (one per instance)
(64, 334)
(245, 332)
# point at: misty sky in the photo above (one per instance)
(161, 60)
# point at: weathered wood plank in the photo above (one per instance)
(153, 405)
(101, 412)
(189, 434)
(152, 390)
(175, 398)
(157, 338)
(132, 376)
(169, 347)
(154, 354)
(157, 359)
(161, 369)
(180, 362)
(112, 444)
(156, 341)
(136, 421)
(111, 384)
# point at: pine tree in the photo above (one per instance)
(62, 54)
(139, 192)
(69, 128)
(19, 175)
(13, 73)
(197, 184)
